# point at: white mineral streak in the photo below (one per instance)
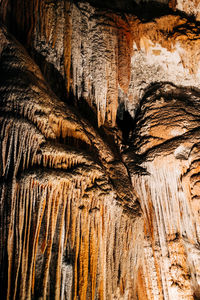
(166, 200)
(190, 7)
(67, 280)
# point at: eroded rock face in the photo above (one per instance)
(167, 144)
(89, 210)
(62, 229)
(108, 58)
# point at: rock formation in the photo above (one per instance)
(100, 150)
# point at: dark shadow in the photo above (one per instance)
(87, 111)
(145, 10)
(168, 90)
(125, 123)
(52, 76)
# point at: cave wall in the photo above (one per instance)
(97, 55)
(64, 210)
(99, 160)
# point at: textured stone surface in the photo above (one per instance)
(62, 230)
(108, 58)
(99, 163)
(167, 144)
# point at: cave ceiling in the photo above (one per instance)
(100, 149)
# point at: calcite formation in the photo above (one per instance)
(62, 228)
(99, 139)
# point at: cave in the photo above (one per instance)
(100, 149)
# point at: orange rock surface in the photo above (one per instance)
(99, 161)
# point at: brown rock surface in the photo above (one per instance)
(99, 162)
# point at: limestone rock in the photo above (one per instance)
(99, 139)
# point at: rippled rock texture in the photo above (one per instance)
(100, 150)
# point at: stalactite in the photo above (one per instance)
(67, 230)
(55, 120)
(49, 197)
(57, 209)
(20, 141)
(67, 47)
(167, 190)
(171, 218)
(98, 54)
